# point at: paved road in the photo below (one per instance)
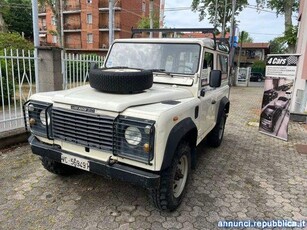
(251, 176)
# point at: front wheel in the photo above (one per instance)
(173, 180)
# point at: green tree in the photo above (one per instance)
(286, 8)
(144, 22)
(206, 8)
(17, 15)
(278, 46)
(11, 41)
(246, 37)
(14, 41)
(259, 67)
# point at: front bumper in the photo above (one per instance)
(130, 174)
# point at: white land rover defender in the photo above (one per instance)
(141, 116)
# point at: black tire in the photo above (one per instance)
(57, 168)
(122, 81)
(216, 135)
(166, 197)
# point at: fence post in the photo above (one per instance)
(50, 69)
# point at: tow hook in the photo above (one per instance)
(112, 161)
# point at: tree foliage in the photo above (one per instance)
(14, 41)
(278, 46)
(246, 37)
(17, 15)
(144, 22)
(259, 66)
(286, 8)
(206, 8)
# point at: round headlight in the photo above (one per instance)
(31, 108)
(133, 135)
(42, 117)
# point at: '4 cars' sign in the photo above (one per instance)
(281, 66)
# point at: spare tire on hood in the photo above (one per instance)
(120, 80)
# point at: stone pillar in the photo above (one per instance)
(50, 69)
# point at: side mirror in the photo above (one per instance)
(215, 78)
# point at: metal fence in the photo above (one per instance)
(76, 68)
(17, 81)
(17, 84)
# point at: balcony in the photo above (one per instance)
(105, 27)
(42, 29)
(72, 45)
(104, 5)
(71, 9)
(72, 28)
(41, 11)
(247, 59)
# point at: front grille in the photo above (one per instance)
(88, 130)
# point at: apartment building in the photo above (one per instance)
(86, 23)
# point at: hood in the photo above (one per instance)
(89, 97)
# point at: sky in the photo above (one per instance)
(261, 26)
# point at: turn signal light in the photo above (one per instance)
(32, 121)
(146, 147)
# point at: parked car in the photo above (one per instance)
(281, 102)
(269, 118)
(268, 96)
(130, 122)
(256, 77)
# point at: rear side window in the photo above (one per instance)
(223, 65)
(207, 67)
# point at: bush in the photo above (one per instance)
(259, 67)
(12, 41)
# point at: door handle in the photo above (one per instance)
(213, 102)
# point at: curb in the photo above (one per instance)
(13, 137)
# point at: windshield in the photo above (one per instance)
(168, 57)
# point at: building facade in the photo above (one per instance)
(251, 52)
(85, 23)
(299, 100)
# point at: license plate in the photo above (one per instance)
(76, 162)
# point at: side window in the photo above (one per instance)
(207, 67)
(223, 65)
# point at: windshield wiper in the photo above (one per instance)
(160, 71)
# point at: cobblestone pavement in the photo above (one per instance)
(251, 176)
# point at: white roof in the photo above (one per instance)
(207, 42)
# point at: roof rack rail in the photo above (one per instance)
(177, 30)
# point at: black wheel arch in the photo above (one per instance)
(223, 107)
(184, 130)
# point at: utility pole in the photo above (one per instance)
(232, 31)
(161, 21)
(224, 20)
(215, 15)
(111, 22)
(241, 41)
(151, 6)
(36, 41)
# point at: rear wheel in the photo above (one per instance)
(173, 180)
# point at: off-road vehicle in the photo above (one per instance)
(140, 117)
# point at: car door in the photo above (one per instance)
(207, 96)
